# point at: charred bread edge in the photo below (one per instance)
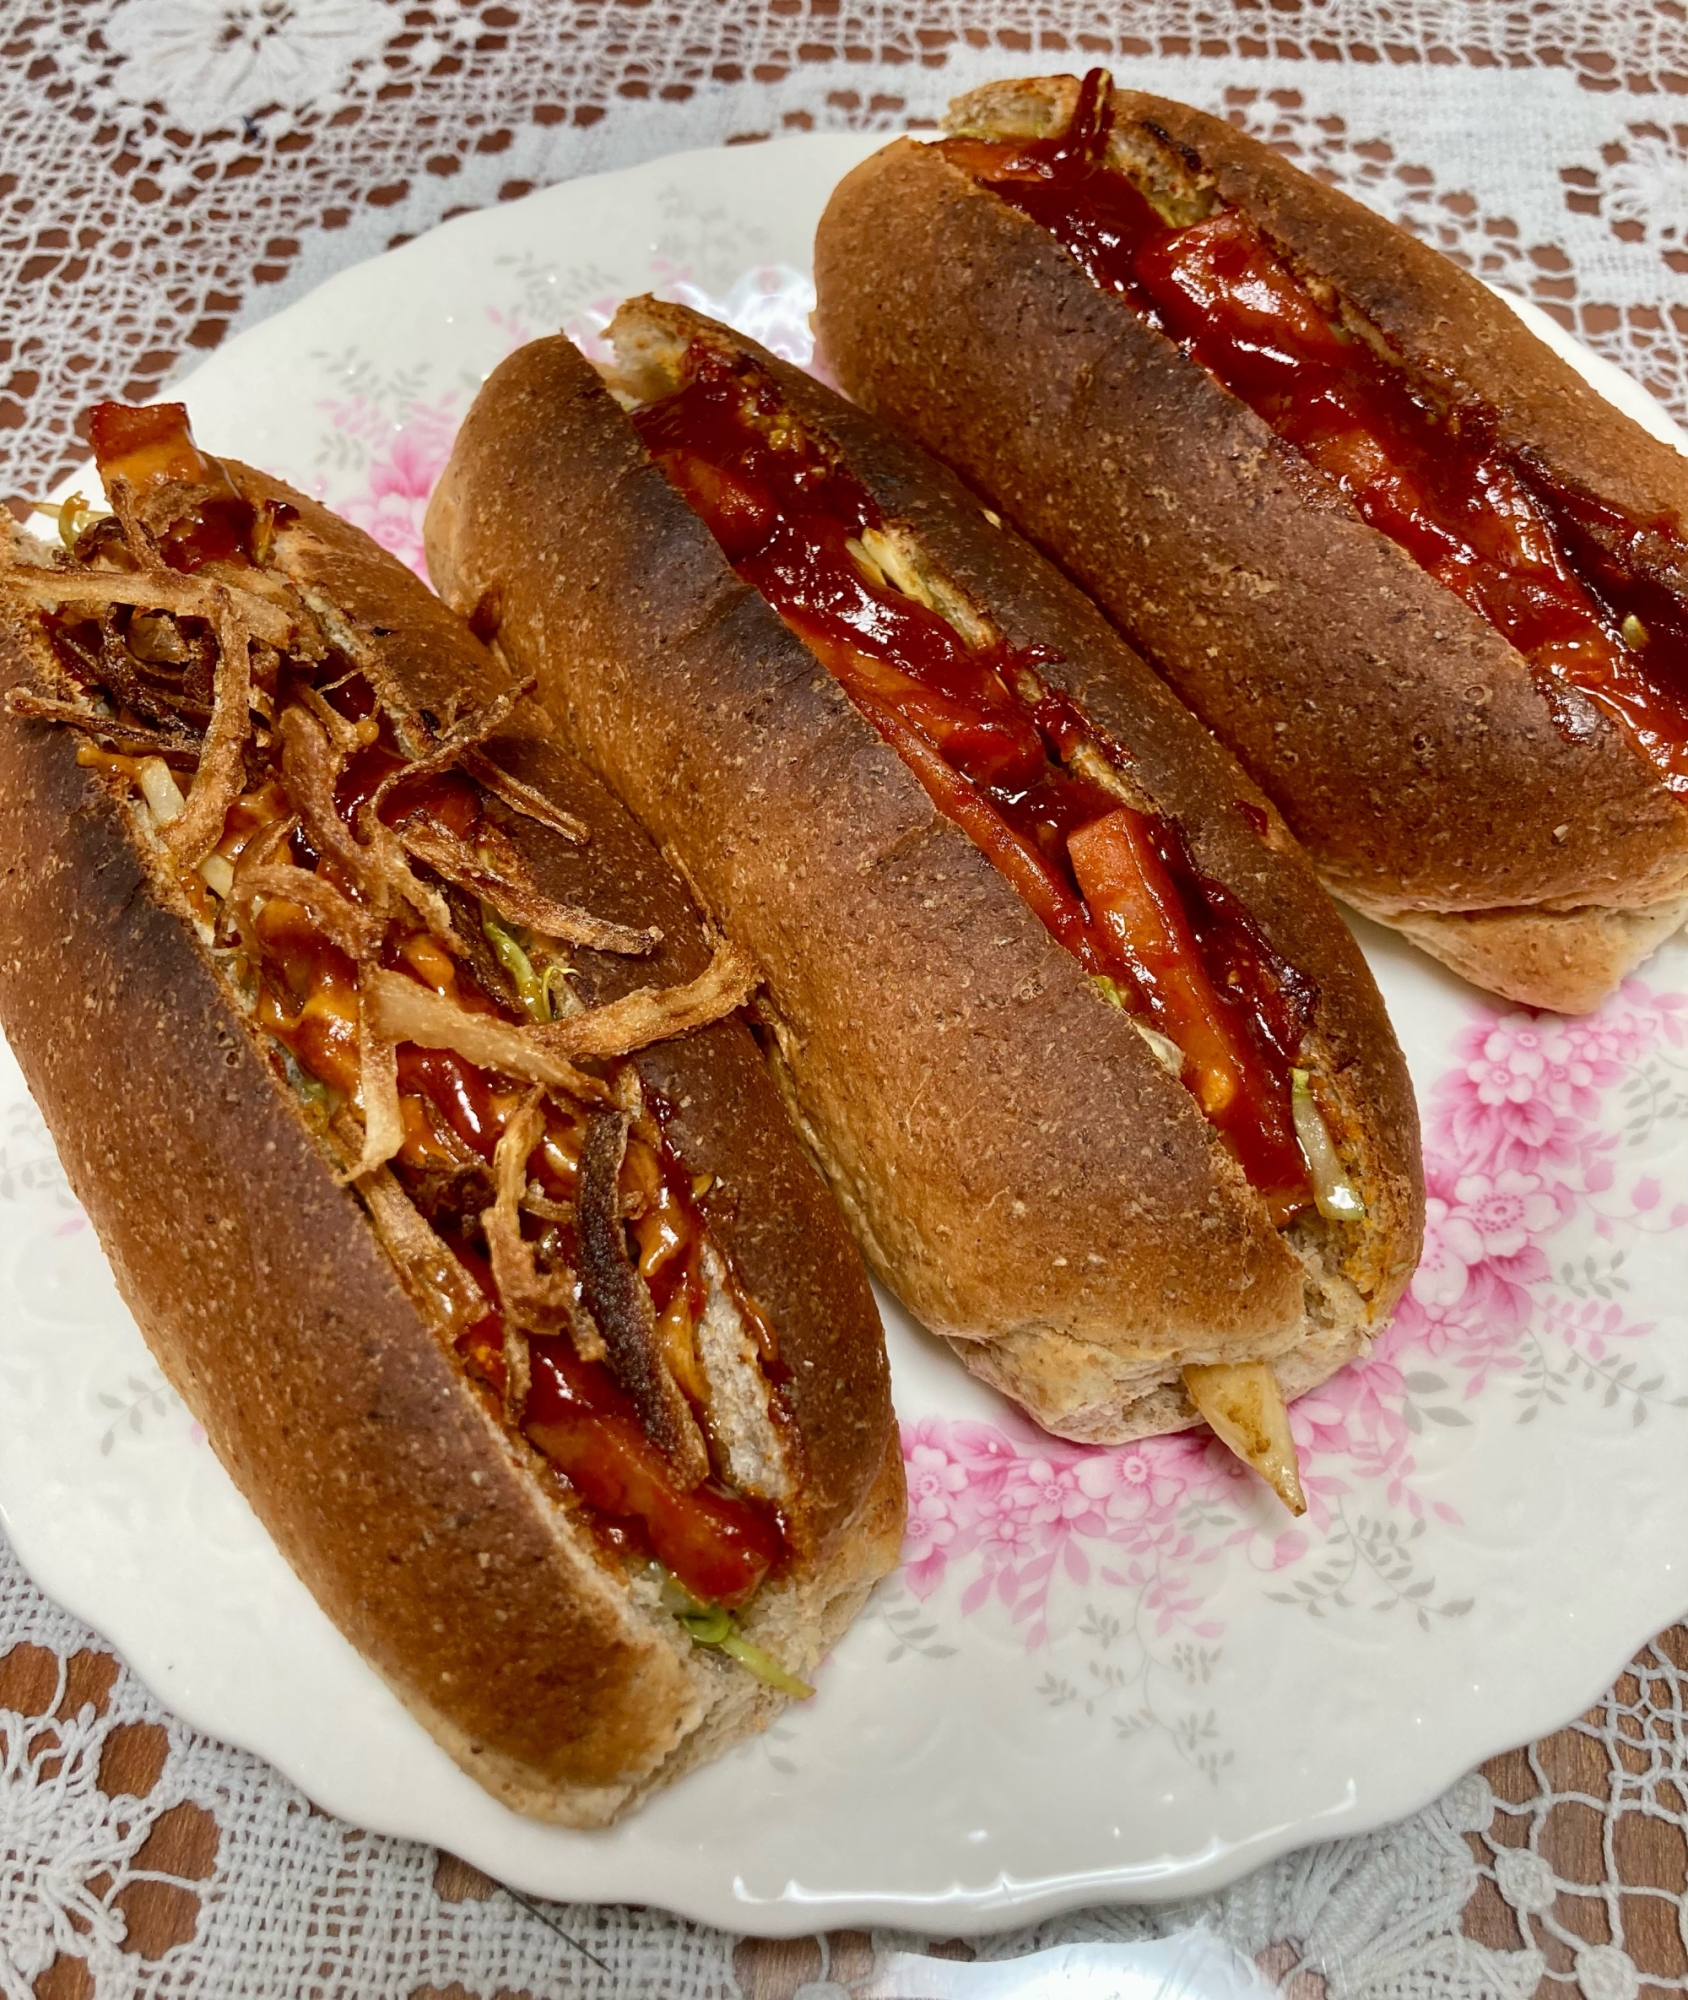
(799, 1625)
(768, 1209)
(1037, 341)
(398, 1499)
(545, 425)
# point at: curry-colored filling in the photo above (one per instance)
(359, 862)
(1556, 573)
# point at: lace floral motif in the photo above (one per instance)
(1640, 188)
(201, 60)
(1611, 1785)
(101, 1846)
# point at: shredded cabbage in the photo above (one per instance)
(1336, 1195)
(315, 1095)
(545, 995)
(531, 989)
(1166, 1051)
(72, 515)
(714, 1625)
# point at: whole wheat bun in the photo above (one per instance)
(1407, 743)
(1013, 1160)
(443, 1546)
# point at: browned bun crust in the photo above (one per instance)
(445, 1551)
(767, 1207)
(1406, 741)
(1012, 1158)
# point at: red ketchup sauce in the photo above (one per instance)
(717, 1544)
(1512, 545)
(152, 447)
(991, 741)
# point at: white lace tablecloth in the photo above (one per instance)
(173, 169)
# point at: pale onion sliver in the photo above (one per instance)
(1335, 1194)
(216, 871)
(160, 790)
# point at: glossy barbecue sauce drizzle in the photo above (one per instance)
(995, 746)
(1530, 557)
(718, 1544)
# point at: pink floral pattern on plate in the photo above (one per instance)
(1519, 1143)
(403, 472)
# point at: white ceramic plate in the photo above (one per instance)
(1116, 1674)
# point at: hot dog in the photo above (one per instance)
(1106, 1094)
(1428, 586)
(409, 1097)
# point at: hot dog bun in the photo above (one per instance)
(1012, 1156)
(1410, 746)
(317, 1351)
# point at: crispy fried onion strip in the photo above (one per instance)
(237, 619)
(310, 767)
(133, 517)
(221, 775)
(656, 1013)
(378, 1086)
(496, 872)
(390, 859)
(265, 617)
(350, 638)
(259, 850)
(450, 1295)
(403, 1011)
(135, 739)
(450, 749)
(345, 735)
(524, 798)
(357, 931)
(621, 1306)
(534, 1301)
